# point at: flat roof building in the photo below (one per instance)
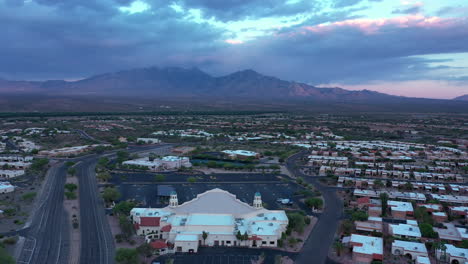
(366, 248)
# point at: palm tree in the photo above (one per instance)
(204, 236)
(338, 247)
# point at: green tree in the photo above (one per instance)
(103, 161)
(145, 250)
(5, 258)
(110, 194)
(71, 187)
(70, 195)
(159, 178)
(29, 196)
(359, 216)
(427, 231)
(347, 226)
(124, 208)
(204, 236)
(39, 164)
(122, 156)
(314, 202)
(296, 222)
(338, 247)
(71, 171)
(69, 163)
(464, 244)
(104, 176)
(384, 201)
(191, 179)
(126, 226)
(126, 256)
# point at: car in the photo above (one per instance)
(284, 201)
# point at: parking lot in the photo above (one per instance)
(149, 177)
(225, 256)
(271, 191)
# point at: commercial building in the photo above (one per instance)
(240, 154)
(160, 164)
(148, 140)
(6, 187)
(214, 218)
(8, 174)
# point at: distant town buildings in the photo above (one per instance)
(240, 154)
(148, 140)
(6, 187)
(160, 164)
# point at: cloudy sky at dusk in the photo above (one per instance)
(403, 47)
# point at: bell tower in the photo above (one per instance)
(257, 202)
(173, 201)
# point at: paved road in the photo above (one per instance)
(321, 239)
(47, 234)
(85, 135)
(97, 243)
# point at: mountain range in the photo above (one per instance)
(180, 82)
(192, 84)
(461, 98)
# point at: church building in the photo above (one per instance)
(214, 218)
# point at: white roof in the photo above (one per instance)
(215, 201)
(410, 246)
(463, 232)
(369, 245)
(456, 252)
(400, 206)
(210, 219)
(423, 260)
(181, 237)
(240, 152)
(405, 230)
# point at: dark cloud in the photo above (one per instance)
(349, 54)
(228, 10)
(45, 42)
(408, 10)
(69, 39)
(345, 3)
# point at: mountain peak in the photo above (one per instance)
(461, 98)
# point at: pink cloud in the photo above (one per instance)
(373, 26)
(417, 88)
(234, 41)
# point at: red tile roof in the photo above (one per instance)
(150, 221)
(158, 244)
(166, 228)
(363, 200)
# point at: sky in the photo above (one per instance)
(405, 47)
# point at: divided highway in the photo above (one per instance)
(97, 243)
(47, 235)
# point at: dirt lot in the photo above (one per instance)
(18, 204)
